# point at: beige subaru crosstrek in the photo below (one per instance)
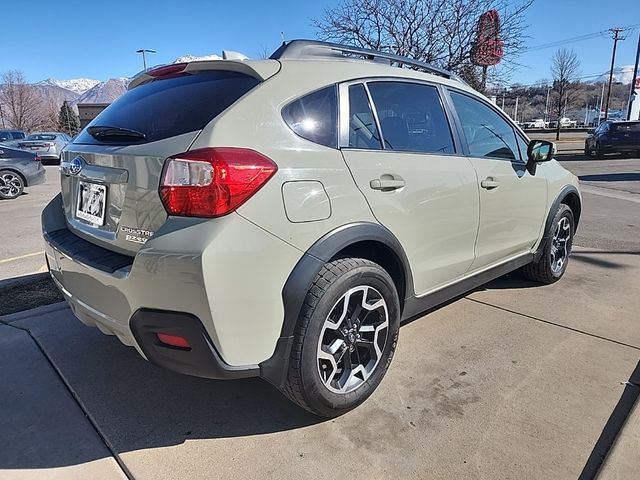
(280, 218)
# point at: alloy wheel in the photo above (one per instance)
(10, 185)
(560, 245)
(352, 339)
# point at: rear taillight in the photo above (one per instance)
(38, 158)
(211, 182)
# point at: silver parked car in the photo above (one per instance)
(279, 218)
(47, 145)
(18, 169)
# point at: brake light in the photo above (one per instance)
(211, 182)
(166, 70)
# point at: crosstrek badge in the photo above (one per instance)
(136, 235)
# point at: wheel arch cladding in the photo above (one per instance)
(568, 196)
(363, 240)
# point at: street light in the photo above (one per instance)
(144, 51)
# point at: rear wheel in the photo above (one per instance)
(11, 184)
(553, 261)
(587, 151)
(599, 151)
(345, 337)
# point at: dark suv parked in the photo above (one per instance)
(613, 137)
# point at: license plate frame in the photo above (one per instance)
(91, 203)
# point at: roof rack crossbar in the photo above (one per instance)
(299, 49)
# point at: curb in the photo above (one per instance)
(23, 280)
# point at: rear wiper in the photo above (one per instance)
(104, 132)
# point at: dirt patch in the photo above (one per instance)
(27, 296)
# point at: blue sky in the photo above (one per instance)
(97, 39)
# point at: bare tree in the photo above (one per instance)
(565, 68)
(20, 102)
(441, 32)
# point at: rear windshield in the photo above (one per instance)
(41, 137)
(172, 106)
(626, 127)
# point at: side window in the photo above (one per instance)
(363, 132)
(486, 132)
(315, 116)
(411, 117)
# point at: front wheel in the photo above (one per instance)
(11, 185)
(555, 256)
(345, 338)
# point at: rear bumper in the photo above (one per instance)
(615, 148)
(198, 276)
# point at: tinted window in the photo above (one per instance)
(487, 133)
(172, 106)
(315, 117)
(363, 132)
(5, 136)
(625, 127)
(411, 117)
(523, 145)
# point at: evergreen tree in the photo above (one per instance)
(68, 121)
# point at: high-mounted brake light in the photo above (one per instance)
(211, 182)
(166, 70)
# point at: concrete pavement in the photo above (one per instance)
(513, 381)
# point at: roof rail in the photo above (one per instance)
(299, 49)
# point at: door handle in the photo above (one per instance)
(489, 183)
(386, 183)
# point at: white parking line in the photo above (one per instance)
(13, 259)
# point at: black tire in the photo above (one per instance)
(599, 151)
(304, 384)
(11, 184)
(543, 270)
(587, 151)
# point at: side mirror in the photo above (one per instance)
(539, 151)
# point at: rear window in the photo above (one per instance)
(172, 106)
(314, 117)
(626, 127)
(41, 137)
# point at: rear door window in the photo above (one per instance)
(172, 106)
(411, 117)
(363, 132)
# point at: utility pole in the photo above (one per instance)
(599, 104)
(632, 96)
(546, 106)
(616, 37)
(515, 110)
(144, 51)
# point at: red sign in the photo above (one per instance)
(488, 48)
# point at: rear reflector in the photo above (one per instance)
(211, 182)
(173, 340)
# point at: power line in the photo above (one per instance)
(580, 38)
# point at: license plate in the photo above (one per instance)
(91, 203)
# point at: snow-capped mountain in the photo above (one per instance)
(622, 74)
(105, 92)
(76, 85)
(194, 58)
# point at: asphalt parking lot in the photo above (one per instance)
(514, 380)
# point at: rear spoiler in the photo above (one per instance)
(259, 69)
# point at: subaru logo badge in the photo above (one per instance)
(75, 166)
